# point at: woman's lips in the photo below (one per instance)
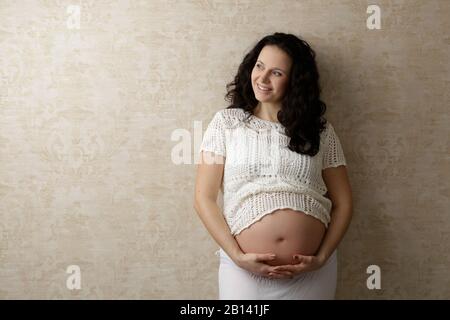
(263, 90)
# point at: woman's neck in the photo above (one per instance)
(266, 112)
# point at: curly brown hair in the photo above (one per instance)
(302, 110)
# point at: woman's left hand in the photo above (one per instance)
(303, 264)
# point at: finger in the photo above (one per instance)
(265, 257)
(286, 271)
(283, 272)
(289, 274)
(276, 275)
(303, 259)
(282, 269)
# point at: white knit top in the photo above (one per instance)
(261, 174)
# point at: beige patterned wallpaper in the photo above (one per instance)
(103, 104)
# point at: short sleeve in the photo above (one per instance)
(214, 136)
(333, 155)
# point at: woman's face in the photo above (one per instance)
(271, 71)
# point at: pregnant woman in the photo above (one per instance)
(282, 171)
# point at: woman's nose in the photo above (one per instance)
(264, 76)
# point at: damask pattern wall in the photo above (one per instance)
(102, 109)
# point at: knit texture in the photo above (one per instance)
(262, 175)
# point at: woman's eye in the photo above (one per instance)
(276, 72)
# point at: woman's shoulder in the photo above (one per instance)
(328, 134)
(329, 128)
(324, 133)
(232, 117)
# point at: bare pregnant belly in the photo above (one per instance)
(283, 232)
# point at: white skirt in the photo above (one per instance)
(236, 283)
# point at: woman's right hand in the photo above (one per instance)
(254, 262)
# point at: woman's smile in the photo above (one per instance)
(263, 89)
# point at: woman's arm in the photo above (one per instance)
(208, 181)
(339, 190)
(212, 217)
